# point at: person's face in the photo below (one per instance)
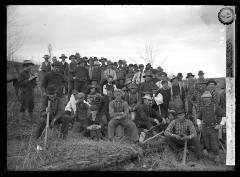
(141, 68)
(109, 66)
(90, 62)
(118, 95)
(121, 82)
(181, 116)
(211, 86)
(82, 64)
(190, 78)
(96, 66)
(207, 101)
(147, 78)
(201, 86)
(175, 82)
(147, 101)
(56, 69)
(200, 75)
(28, 67)
(165, 85)
(180, 78)
(93, 90)
(52, 96)
(163, 77)
(63, 59)
(131, 68)
(115, 66)
(54, 60)
(94, 82)
(94, 114)
(110, 80)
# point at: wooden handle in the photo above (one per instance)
(46, 127)
(184, 153)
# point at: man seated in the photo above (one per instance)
(182, 129)
(119, 115)
(146, 115)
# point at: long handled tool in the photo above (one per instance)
(47, 127)
(184, 153)
(153, 137)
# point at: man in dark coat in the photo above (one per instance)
(44, 68)
(148, 85)
(96, 73)
(63, 71)
(54, 78)
(81, 78)
(27, 82)
(71, 71)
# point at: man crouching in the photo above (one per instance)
(182, 129)
(119, 115)
(57, 114)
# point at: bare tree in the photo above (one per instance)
(15, 39)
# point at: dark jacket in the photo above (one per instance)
(148, 86)
(23, 81)
(96, 74)
(46, 68)
(53, 78)
(147, 113)
(71, 71)
(82, 74)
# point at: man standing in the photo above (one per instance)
(180, 130)
(90, 68)
(120, 70)
(56, 113)
(109, 71)
(27, 82)
(154, 76)
(138, 77)
(82, 77)
(180, 77)
(96, 72)
(209, 113)
(63, 71)
(119, 114)
(146, 115)
(130, 72)
(44, 69)
(71, 71)
(211, 84)
(148, 85)
(163, 77)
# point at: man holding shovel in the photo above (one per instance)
(181, 130)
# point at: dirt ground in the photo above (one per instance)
(18, 134)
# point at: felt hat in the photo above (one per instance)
(141, 66)
(72, 57)
(189, 74)
(173, 77)
(148, 64)
(46, 56)
(109, 62)
(77, 55)
(211, 81)
(57, 64)
(163, 74)
(132, 85)
(51, 89)
(200, 72)
(27, 62)
(63, 56)
(154, 71)
(80, 95)
(115, 63)
(103, 59)
(130, 65)
(179, 75)
(96, 63)
(120, 61)
(206, 94)
(147, 96)
(95, 58)
(148, 73)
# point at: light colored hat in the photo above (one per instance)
(147, 97)
(80, 95)
(28, 62)
(206, 94)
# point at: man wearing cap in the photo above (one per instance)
(148, 85)
(26, 83)
(81, 78)
(56, 113)
(211, 84)
(119, 115)
(54, 78)
(71, 71)
(182, 129)
(133, 99)
(146, 115)
(209, 113)
(138, 77)
(163, 76)
(44, 68)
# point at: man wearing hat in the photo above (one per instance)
(146, 115)
(96, 72)
(54, 60)
(138, 77)
(182, 129)
(119, 115)
(120, 82)
(163, 76)
(130, 72)
(148, 67)
(56, 113)
(90, 67)
(148, 85)
(81, 78)
(109, 71)
(200, 76)
(26, 83)
(155, 79)
(54, 78)
(44, 68)
(71, 71)
(78, 56)
(109, 87)
(180, 77)
(133, 99)
(211, 84)
(209, 113)
(64, 71)
(120, 71)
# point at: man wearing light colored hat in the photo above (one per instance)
(209, 114)
(96, 73)
(26, 83)
(119, 115)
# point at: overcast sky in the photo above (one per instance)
(190, 37)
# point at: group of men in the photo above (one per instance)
(109, 95)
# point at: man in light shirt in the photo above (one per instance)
(163, 76)
(138, 77)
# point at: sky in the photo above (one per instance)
(183, 38)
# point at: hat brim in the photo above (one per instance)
(189, 76)
(147, 76)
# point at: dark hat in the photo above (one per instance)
(135, 65)
(148, 73)
(85, 58)
(148, 64)
(130, 65)
(132, 85)
(115, 63)
(93, 108)
(110, 76)
(103, 59)
(109, 62)
(57, 64)
(91, 58)
(189, 74)
(154, 71)
(179, 75)
(173, 77)
(141, 65)
(77, 55)
(124, 61)
(72, 57)
(63, 56)
(211, 81)
(120, 61)
(46, 56)
(180, 111)
(163, 74)
(95, 58)
(200, 72)
(51, 89)
(27, 62)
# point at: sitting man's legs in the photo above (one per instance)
(111, 128)
(130, 125)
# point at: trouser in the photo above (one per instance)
(80, 126)
(70, 88)
(175, 144)
(210, 139)
(130, 125)
(164, 110)
(144, 124)
(80, 86)
(27, 103)
(64, 120)
(104, 124)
